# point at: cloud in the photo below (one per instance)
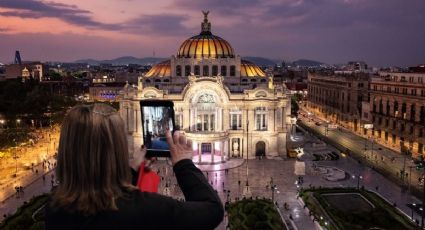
(158, 24)
(166, 25)
(40, 9)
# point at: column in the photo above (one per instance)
(225, 119)
(222, 150)
(212, 151)
(199, 153)
(186, 119)
(270, 119)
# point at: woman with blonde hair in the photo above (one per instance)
(95, 175)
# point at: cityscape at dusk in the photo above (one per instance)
(240, 115)
(329, 31)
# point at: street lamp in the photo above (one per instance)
(15, 157)
(2, 123)
(358, 180)
(273, 188)
(247, 190)
(413, 206)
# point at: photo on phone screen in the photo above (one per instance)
(156, 121)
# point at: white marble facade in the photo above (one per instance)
(237, 113)
(254, 122)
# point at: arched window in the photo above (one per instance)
(244, 80)
(253, 80)
(157, 80)
(214, 70)
(263, 80)
(232, 71)
(187, 70)
(167, 80)
(197, 70)
(148, 81)
(223, 70)
(179, 70)
(205, 70)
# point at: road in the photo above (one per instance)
(379, 157)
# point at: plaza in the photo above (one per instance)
(230, 179)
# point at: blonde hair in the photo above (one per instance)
(92, 165)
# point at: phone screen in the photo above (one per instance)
(156, 120)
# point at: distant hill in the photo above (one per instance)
(123, 61)
(307, 63)
(260, 61)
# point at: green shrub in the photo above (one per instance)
(254, 214)
(22, 219)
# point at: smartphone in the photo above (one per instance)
(157, 117)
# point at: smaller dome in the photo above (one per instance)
(249, 69)
(162, 69)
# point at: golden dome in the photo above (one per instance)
(249, 69)
(162, 69)
(205, 45)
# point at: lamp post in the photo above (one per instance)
(15, 157)
(273, 187)
(358, 180)
(423, 205)
(247, 190)
(413, 206)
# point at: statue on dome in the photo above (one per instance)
(206, 25)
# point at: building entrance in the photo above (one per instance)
(260, 148)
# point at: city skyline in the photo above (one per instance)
(329, 31)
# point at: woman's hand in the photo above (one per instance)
(138, 158)
(180, 147)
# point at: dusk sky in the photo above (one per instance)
(380, 32)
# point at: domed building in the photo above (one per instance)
(227, 106)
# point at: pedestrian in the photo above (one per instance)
(36, 171)
(44, 179)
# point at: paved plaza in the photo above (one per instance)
(260, 174)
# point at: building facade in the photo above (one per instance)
(26, 70)
(338, 98)
(227, 106)
(398, 110)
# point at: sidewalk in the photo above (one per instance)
(37, 187)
